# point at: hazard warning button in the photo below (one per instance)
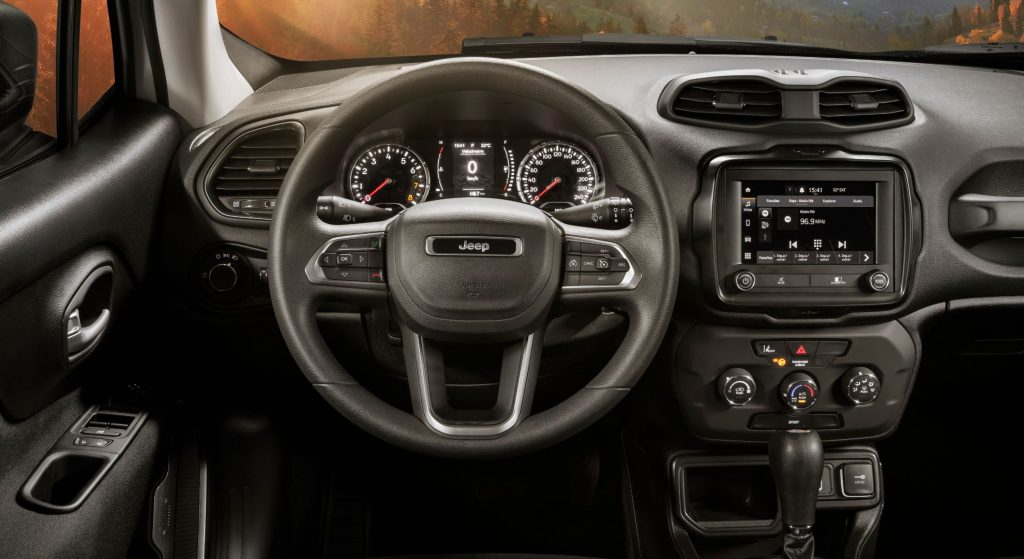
(802, 349)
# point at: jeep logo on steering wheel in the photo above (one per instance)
(472, 245)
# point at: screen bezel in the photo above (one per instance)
(729, 253)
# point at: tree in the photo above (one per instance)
(677, 27)
(640, 26)
(977, 17)
(956, 24)
(1005, 25)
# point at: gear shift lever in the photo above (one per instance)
(797, 459)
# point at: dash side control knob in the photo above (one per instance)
(860, 385)
(877, 281)
(223, 277)
(799, 391)
(737, 386)
(745, 280)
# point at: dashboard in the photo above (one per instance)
(828, 224)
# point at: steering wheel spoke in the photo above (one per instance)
(425, 366)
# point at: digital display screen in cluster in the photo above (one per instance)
(807, 222)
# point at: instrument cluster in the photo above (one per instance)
(551, 173)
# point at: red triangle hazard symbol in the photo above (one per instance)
(801, 350)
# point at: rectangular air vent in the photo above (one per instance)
(862, 102)
(730, 101)
(248, 174)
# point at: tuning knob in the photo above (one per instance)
(860, 386)
(798, 391)
(737, 386)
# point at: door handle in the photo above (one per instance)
(91, 302)
(81, 337)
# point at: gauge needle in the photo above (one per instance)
(386, 182)
(554, 183)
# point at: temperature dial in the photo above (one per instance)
(737, 386)
(799, 391)
(860, 385)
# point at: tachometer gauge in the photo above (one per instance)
(556, 175)
(389, 175)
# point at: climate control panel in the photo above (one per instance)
(740, 384)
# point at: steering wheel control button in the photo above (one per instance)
(614, 278)
(737, 386)
(745, 281)
(799, 391)
(345, 259)
(599, 249)
(878, 281)
(591, 264)
(347, 274)
(860, 386)
(857, 480)
(802, 349)
(376, 276)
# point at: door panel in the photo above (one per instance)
(75, 234)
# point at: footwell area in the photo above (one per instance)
(950, 481)
(347, 495)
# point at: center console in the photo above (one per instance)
(804, 228)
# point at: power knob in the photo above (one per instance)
(737, 386)
(223, 277)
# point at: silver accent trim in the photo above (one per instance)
(629, 281)
(473, 431)
(430, 245)
(315, 274)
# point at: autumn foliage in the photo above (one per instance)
(96, 62)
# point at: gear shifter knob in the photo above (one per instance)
(797, 460)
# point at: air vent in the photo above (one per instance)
(729, 101)
(861, 103)
(248, 174)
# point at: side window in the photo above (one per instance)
(95, 55)
(28, 78)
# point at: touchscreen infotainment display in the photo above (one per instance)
(807, 222)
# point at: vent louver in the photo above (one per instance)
(249, 172)
(730, 101)
(859, 103)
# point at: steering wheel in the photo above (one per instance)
(443, 285)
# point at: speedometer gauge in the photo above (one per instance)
(556, 175)
(389, 175)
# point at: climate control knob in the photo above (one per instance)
(798, 391)
(860, 386)
(737, 386)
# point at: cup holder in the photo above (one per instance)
(64, 479)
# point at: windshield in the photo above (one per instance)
(340, 29)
